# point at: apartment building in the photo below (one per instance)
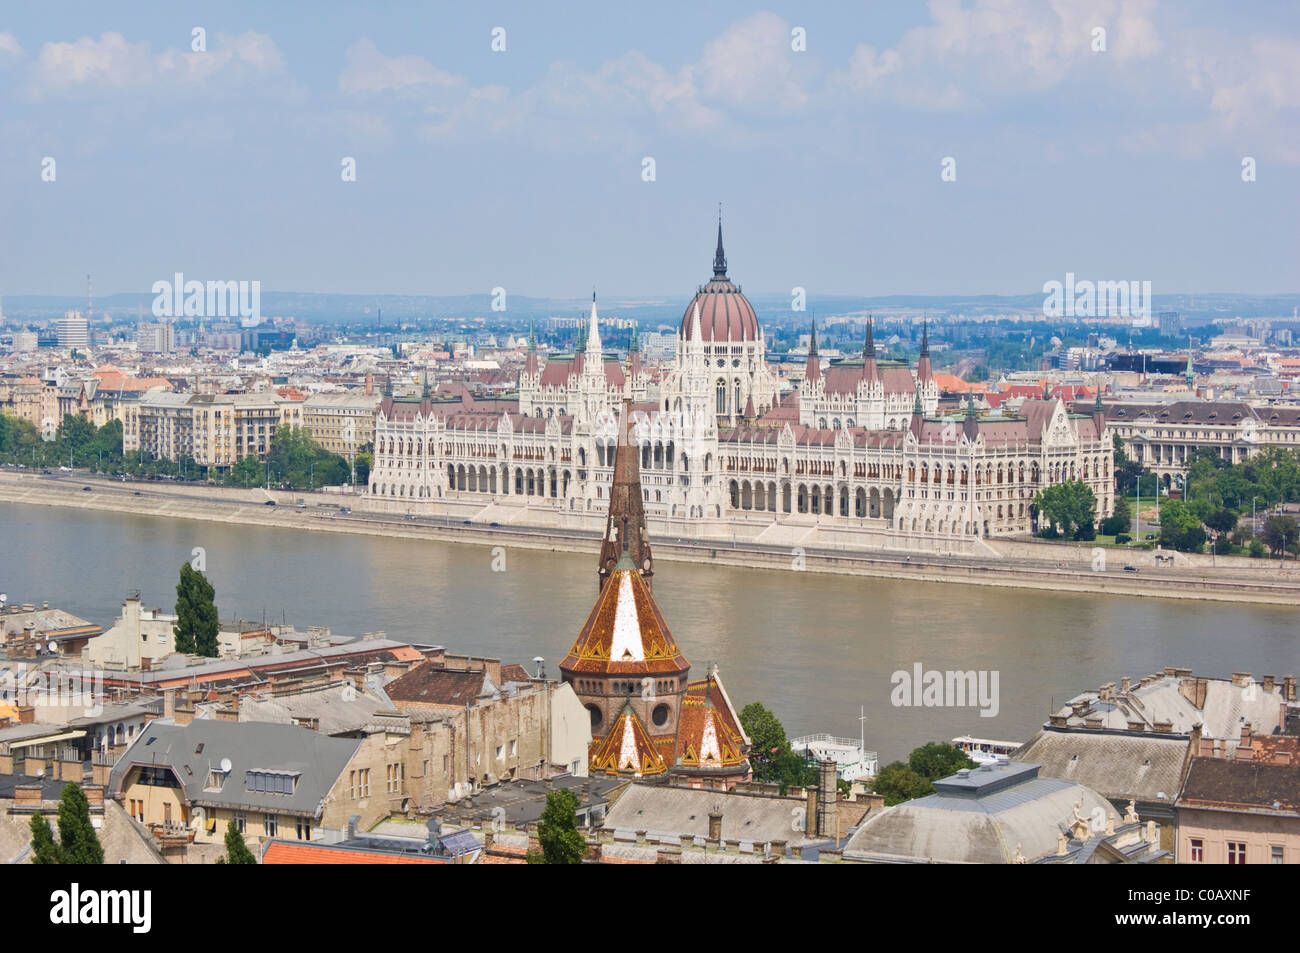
(217, 430)
(342, 423)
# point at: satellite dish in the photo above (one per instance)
(50, 646)
(225, 765)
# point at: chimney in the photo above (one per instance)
(1244, 748)
(1125, 683)
(829, 795)
(1241, 679)
(715, 827)
(1288, 688)
(169, 703)
(1269, 683)
(370, 383)
(353, 821)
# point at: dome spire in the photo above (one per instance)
(719, 257)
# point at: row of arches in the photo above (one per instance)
(815, 499)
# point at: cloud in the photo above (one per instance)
(10, 48)
(752, 66)
(91, 66)
(370, 71)
(996, 49)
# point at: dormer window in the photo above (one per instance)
(271, 782)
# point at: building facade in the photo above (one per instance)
(859, 445)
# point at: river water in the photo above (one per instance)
(813, 648)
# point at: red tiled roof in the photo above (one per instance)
(308, 853)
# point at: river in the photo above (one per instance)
(812, 647)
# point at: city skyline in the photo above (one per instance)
(823, 135)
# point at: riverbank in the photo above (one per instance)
(1016, 565)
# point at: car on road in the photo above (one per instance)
(86, 488)
(467, 522)
(47, 471)
(345, 510)
(136, 493)
(408, 516)
(494, 524)
(269, 503)
(1130, 568)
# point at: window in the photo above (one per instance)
(363, 778)
(241, 821)
(501, 752)
(271, 827)
(514, 747)
(1236, 852)
(1198, 851)
(1275, 854)
(304, 829)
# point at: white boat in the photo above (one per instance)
(985, 750)
(852, 761)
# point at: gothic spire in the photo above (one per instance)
(625, 525)
(719, 257)
(925, 338)
(813, 369)
(869, 349)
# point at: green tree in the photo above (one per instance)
(1222, 521)
(45, 850)
(1180, 528)
(1121, 520)
(1069, 506)
(770, 755)
(938, 760)
(247, 472)
(237, 851)
(196, 614)
(78, 843)
(896, 782)
(562, 842)
(1279, 534)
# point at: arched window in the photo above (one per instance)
(722, 397)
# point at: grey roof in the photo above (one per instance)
(669, 812)
(337, 709)
(978, 823)
(1225, 708)
(317, 760)
(1118, 766)
(521, 801)
(254, 662)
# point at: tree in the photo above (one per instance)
(237, 851)
(562, 842)
(1278, 533)
(938, 760)
(1180, 528)
(1069, 505)
(77, 839)
(770, 754)
(896, 783)
(78, 843)
(1120, 521)
(1222, 521)
(196, 614)
(44, 848)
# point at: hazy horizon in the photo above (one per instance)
(824, 133)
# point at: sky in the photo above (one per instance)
(821, 129)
